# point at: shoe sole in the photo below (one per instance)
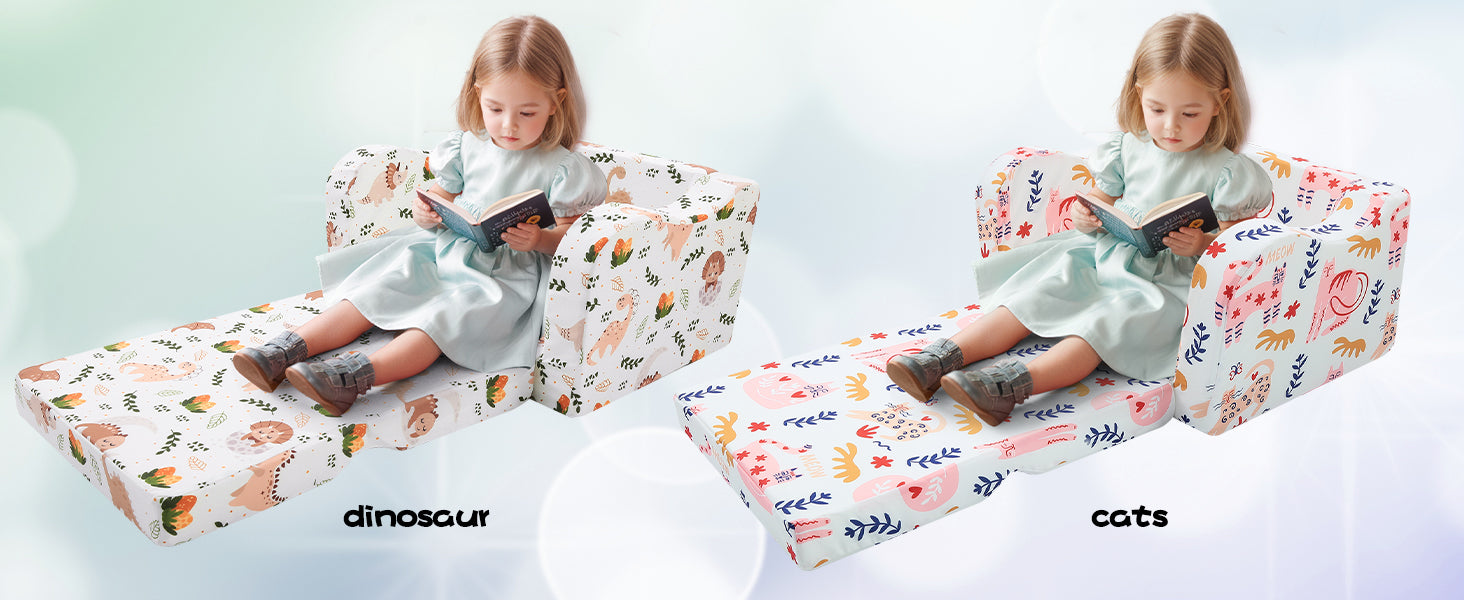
(905, 378)
(301, 380)
(958, 393)
(251, 371)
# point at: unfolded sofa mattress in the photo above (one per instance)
(832, 457)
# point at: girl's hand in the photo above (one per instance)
(1188, 241)
(1083, 219)
(423, 215)
(523, 237)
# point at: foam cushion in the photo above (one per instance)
(184, 445)
(833, 458)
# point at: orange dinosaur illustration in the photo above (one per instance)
(676, 233)
(36, 374)
(153, 373)
(117, 489)
(620, 196)
(386, 183)
(421, 415)
(268, 432)
(260, 492)
(614, 332)
(42, 412)
(575, 333)
(333, 235)
(105, 436)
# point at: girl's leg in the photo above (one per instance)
(1066, 363)
(407, 355)
(336, 383)
(337, 326)
(265, 365)
(990, 335)
(919, 374)
(993, 392)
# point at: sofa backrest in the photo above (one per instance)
(369, 191)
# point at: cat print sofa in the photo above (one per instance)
(833, 458)
(182, 445)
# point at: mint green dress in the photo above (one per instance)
(1131, 309)
(483, 309)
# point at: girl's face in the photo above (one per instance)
(1178, 110)
(515, 110)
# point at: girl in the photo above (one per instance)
(1183, 112)
(520, 109)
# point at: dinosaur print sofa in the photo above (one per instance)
(833, 458)
(182, 445)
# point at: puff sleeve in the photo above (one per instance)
(1242, 190)
(578, 186)
(1107, 166)
(446, 162)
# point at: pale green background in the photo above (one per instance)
(163, 163)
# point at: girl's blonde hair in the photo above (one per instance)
(534, 47)
(1194, 44)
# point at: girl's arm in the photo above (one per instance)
(1083, 219)
(422, 213)
(1188, 241)
(524, 237)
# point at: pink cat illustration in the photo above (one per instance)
(925, 494)
(1231, 404)
(1398, 226)
(807, 530)
(781, 390)
(876, 359)
(759, 465)
(1338, 297)
(993, 218)
(1334, 184)
(1235, 304)
(1032, 441)
(1059, 212)
(898, 423)
(1145, 409)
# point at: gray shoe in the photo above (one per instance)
(264, 365)
(919, 373)
(334, 383)
(991, 392)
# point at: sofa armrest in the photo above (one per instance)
(1276, 310)
(369, 192)
(1025, 196)
(636, 292)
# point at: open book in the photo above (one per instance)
(1148, 234)
(487, 228)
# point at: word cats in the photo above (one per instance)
(1126, 518)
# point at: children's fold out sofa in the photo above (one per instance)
(834, 458)
(183, 445)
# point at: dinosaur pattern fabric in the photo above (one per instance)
(833, 458)
(182, 445)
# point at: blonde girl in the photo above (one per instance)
(1183, 112)
(520, 110)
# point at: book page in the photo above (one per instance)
(509, 201)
